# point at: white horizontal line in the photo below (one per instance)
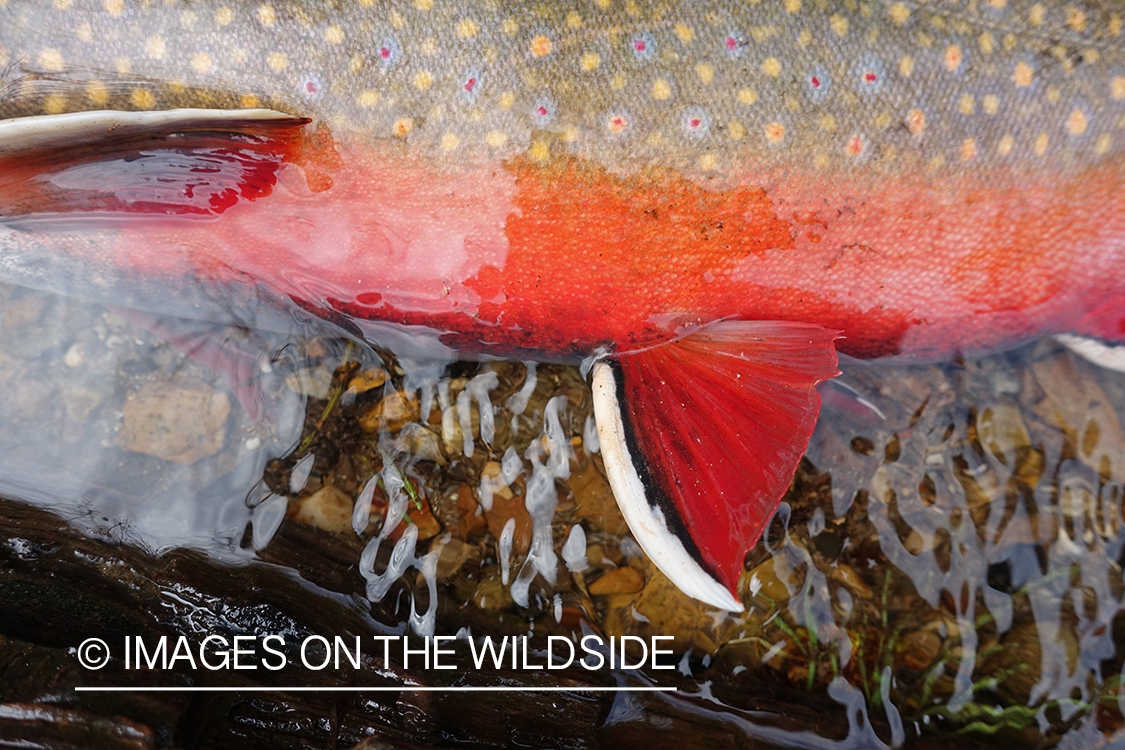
(399, 689)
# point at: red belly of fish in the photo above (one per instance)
(566, 257)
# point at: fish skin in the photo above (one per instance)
(929, 181)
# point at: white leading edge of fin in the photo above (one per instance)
(46, 130)
(1109, 356)
(645, 521)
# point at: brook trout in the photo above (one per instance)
(701, 195)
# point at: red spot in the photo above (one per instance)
(732, 43)
(370, 299)
(815, 82)
(869, 77)
(470, 85)
(639, 45)
(384, 53)
(695, 122)
(310, 87)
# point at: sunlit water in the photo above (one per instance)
(948, 561)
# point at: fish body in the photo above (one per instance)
(562, 179)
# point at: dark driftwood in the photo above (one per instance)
(58, 587)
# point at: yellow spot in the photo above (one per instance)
(334, 35)
(1076, 19)
(936, 163)
(429, 47)
(50, 59)
(1117, 88)
(1023, 74)
(967, 104)
(540, 46)
(449, 141)
(882, 120)
(573, 20)
(1101, 148)
(54, 104)
(277, 61)
(708, 162)
(115, 7)
(804, 37)
(771, 66)
(705, 72)
(953, 57)
(916, 121)
(1006, 144)
(569, 134)
(249, 101)
(792, 6)
(661, 90)
(1115, 25)
(737, 132)
(403, 127)
(839, 24)
(968, 149)
(603, 4)
(506, 100)
(827, 123)
(97, 92)
(61, 4)
(821, 161)
(201, 62)
(987, 43)
(1036, 15)
(155, 48)
(1053, 94)
(747, 96)
(356, 63)
(590, 61)
(223, 16)
(122, 65)
(467, 28)
(423, 4)
(775, 132)
(423, 79)
(496, 138)
(85, 31)
(618, 81)
(906, 66)
(510, 26)
(998, 4)
(684, 32)
(267, 15)
(367, 98)
(899, 13)
(991, 104)
(142, 99)
(1041, 143)
(1077, 123)
(188, 19)
(539, 152)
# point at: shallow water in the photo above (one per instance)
(946, 564)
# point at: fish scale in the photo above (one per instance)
(708, 87)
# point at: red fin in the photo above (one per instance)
(212, 346)
(117, 164)
(715, 424)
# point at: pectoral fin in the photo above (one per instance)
(185, 163)
(701, 438)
